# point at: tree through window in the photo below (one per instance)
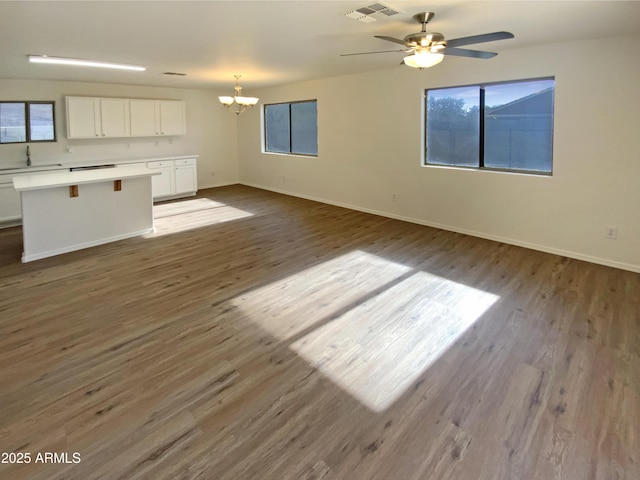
(502, 126)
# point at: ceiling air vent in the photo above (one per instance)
(368, 13)
(175, 74)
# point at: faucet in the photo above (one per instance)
(28, 156)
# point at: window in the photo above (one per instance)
(22, 122)
(499, 126)
(291, 128)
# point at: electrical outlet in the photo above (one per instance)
(611, 232)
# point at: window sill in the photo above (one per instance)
(529, 173)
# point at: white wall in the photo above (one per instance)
(211, 130)
(370, 147)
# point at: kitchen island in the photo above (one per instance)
(67, 211)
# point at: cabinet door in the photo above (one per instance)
(9, 203)
(114, 116)
(163, 185)
(143, 118)
(186, 179)
(172, 118)
(83, 117)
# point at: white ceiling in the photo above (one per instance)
(270, 42)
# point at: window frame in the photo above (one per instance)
(481, 144)
(264, 128)
(27, 120)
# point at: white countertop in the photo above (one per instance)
(65, 166)
(61, 179)
(120, 161)
(32, 169)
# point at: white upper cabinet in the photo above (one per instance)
(143, 118)
(114, 117)
(172, 118)
(83, 117)
(151, 118)
(89, 117)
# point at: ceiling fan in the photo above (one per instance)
(426, 49)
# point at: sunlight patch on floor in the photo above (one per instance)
(379, 348)
(183, 215)
(371, 325)
(318, 293)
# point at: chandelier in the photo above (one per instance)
(242, 103)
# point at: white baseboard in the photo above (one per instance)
(174, 197)
(14, 222)
(216, 185)
(519, 243)
(81, 246)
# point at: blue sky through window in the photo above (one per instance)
(498, 94)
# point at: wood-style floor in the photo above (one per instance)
(260, 336)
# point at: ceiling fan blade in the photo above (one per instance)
(486, 37)
(391, 39)
(369, 53)
(463, 52)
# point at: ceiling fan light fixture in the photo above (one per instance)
(427, 48)
(423, 59)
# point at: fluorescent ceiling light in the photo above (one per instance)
(83, 63)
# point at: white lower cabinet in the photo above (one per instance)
(10, 209)
(163, 185)
(186, 175)
(178, 178)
